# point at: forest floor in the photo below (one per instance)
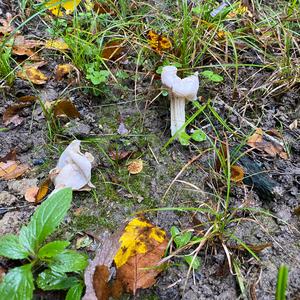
(252, 50)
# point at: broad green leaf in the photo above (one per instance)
(10, 247)
(45, 219)
(68, 261)
(50, 280)
(210, 75)
(198, 135)
(53, 248)
(174, 231)
(182, 239)
(74, 293)
(192, 261)
(17, 284)
(184, 138)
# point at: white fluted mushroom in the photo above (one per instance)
(180, 91)
(73, 169)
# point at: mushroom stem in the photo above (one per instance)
(177, 112)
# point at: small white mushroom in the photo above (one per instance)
(73, 169)
(180, 91)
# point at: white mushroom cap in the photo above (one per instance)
(186, 88)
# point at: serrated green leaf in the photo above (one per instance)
(11, 248)
(192, 261)
(68, 261)
(182, 239)
(74, 293)
(45, 219)
(50, 280)
(53, 248)
(198, 135)
(17, 284)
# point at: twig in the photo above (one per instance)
(267, 136)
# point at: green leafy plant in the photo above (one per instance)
(55, 261)
(211, 76)
(182, 239)
(95, 76)
(282, 281)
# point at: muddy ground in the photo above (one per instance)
(118, 195)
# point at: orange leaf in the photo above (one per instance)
(158, 42)
(237, 173)
(42, 190)
(62, 70)
(141, 270)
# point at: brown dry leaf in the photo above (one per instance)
(27, 99)
(255, 248)
(104, 258)
(11, 114)
(135, 166)
(62, 70)
(112, 50)
(30, 193)
(119, 155)
(6, 27)
(11, 155)
(141, 270)
(33, 75)
(58, 44)
(101, 8)
(297, 211)
(12, 169)
(22, 47)
(256, 141)
(237, 173)
(65, 107)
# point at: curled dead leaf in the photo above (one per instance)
(30, 194)
(11, 114)
(62, 70)
(102, 8)
(27, 99)
(33, 75)
(43, 190)
(65, 107)
(237, 173)
(6, 27)
(112, 50)
(257, 141)
(119, 155)
(135, 166)
(11, 155)
(12, 169)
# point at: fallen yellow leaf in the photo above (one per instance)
(33, 75)
(57, 44)
(62, 70)
(137, 239)
(55, 6)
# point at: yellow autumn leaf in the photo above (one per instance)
(33, 75)
(57, 44)
(55, 6)
(136, 239)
